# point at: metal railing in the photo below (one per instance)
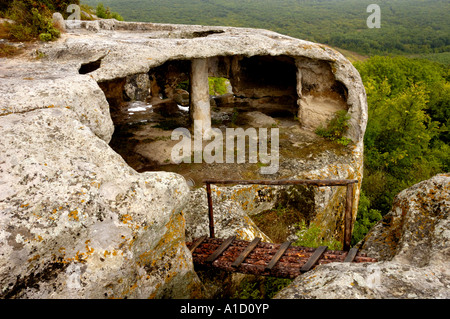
(349, 183)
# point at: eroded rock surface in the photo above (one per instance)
(29, 85)
(417, 229)
(411, 244)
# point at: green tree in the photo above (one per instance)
(217, 86)
(101, 11)
(105, 13)
(403, 141)
(365, 219)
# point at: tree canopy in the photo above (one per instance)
(407, 26)
(407, 137)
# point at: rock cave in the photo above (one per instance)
(264, 91)
(108, 95)
(92, 208)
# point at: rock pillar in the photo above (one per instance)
(200, 108)
(299, 91)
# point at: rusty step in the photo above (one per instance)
(246, 252)
(278, 255)
(198, 242)
(220, 250)
(313, 259)
(267, 259)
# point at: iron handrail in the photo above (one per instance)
(349, 183)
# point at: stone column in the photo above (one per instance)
(299, 90)
(200, 108)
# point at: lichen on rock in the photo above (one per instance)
(78, 222)
(411, 244)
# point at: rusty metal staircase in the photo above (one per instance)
(268, 259)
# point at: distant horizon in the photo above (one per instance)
(408, 27)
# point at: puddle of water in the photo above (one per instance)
(139, 106)
(183, 108)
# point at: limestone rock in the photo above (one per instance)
(78, 222)
(412, 245)
(224, 100)
(28, 86)
(417, 229)
(181, 97)
(258, 119)
(137, 87)
(384, 280)
(229, 219)
(58, 21)
(318, 81)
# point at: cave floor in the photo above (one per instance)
(143, 138)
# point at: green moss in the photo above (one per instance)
(45, 37)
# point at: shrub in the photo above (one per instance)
(116, 16)
(44, 26)
(365, 219)
(8, 50)
(336, 128)
(31, 20)
(105, 13)
(101, 11)
(312, 237)
(45, 37)
(260, 287)
(20, 32)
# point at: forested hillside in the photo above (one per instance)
(418, 27)
(407, 138)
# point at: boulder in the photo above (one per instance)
(384, 280)
(229, 219)
(417, 229)
(225, 100)
(181, 97)
(78, 222)
(137, 87)
(257, 119)
(58, 21)
(411, 244)
(31, 85)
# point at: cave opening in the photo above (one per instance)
(90, 67)
(258, 91)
